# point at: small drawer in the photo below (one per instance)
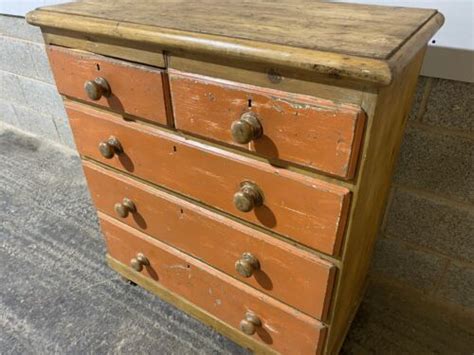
(120, 86)
(256, 258)
(300, 207)
(308, 131)
(283, 328)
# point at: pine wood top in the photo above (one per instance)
(304, 32)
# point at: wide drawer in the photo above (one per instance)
(134, 89)
(302, 129)
(302, 208)
(217, 240)
(284, 328)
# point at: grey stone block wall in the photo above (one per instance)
(427, 240)
(28, 97)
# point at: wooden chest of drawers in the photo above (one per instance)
(239, 154)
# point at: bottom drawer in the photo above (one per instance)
(283, 328)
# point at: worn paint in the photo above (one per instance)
(136, 90)
(219, 240)
(230, 298)
(212, 175)
(298, 129)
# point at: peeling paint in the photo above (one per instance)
(211, 97)
(271, 329)
(177, 266)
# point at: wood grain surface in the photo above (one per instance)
(299, 207)
(284, 328)
(309, 84)
(388, 113)
(218, 241)
(115, 48)
(296, 128)
(297, 36)
(136, 89)
(361, 30)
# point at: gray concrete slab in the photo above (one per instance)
(441, 164)
(57, 296)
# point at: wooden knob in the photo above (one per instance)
(248, 197)
(138, 262)
(125, 207)
(247, 265)
(97, 88)
(249, 324)
(246, 129)
(110, 147)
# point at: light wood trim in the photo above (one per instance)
(387, 114)
(341, 92)
(327, 64)
(105, 47)
(336, 65)
(411, 47)
(189, 308)
(362, 30)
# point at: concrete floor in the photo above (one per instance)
(58, 297)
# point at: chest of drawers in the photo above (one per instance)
(239, 154)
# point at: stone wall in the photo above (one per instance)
(426, 243)
(427, 238)
(28, 97)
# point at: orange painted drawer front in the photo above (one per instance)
(135, 89)
(294, 276)
(300, 207)
(302, 129)
(284, 328)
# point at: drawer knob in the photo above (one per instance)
(97, 88)
(249, 324)
(110, 147)
(247, 265)
(248, 197)
(125, 207)
(137, 263)
(246, 129)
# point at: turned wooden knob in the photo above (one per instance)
(125, 207)
(248, 197)
(110, 147)
(137, 263)
(97, 88)
(246, 129)
(247, 265)
(249, 324)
